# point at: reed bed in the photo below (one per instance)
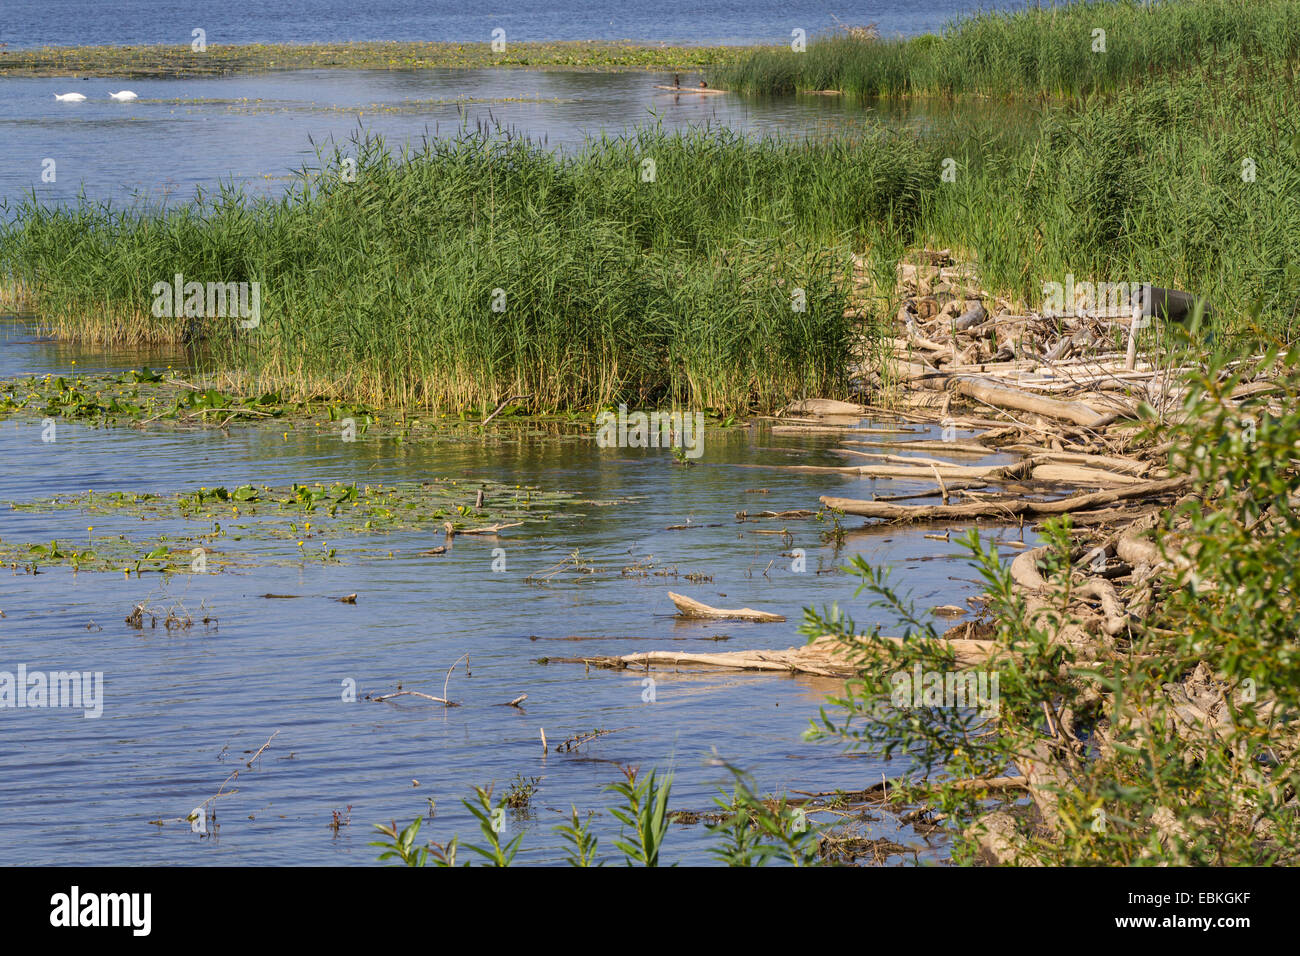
(1042, 50)
(1192, 184)
(465, 272)
(720, 281)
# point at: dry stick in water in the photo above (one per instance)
(491, 528)
(437, 700)
(512, 398)
(464, 657)
(412, 693)
(220, 793)
(261, 748)
(939, 478)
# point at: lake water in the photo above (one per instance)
(87, 22)
(186, 708)
(256, 130)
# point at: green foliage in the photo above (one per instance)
(616, 285)
(754, 831)
(492, 824)
(581, 841)
(677, 291)
(402, 845)
(520, 795)
(1191, 183)
(226, 58)
(1038, 50)
(74, 556)
(645, 812)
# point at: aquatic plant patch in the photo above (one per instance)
(315, 522)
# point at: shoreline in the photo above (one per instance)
(170, 61)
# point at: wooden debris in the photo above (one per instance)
(818, 407)
(689, 607)
(1005, 508)
(488, 529)
(823, 657)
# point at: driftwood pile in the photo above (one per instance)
(1046, 396)
(1052, 393)
(955, 340)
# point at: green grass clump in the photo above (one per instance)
(1040, 50)
(658, 268)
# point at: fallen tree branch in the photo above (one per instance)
(1003, 507)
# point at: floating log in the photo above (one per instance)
(491, 528)
(689, 607)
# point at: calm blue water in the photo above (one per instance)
(183, 709)
(255, 129)
(66, 22)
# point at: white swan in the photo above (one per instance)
(123, 96)
(69, 97)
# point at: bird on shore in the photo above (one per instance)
(1169, 304)
(123, 96)
(69, 97)
(677, 83)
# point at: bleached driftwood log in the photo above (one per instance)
(689, 607)
(824, 657)
(1004, 507)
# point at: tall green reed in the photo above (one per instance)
(697, 268)
(1054, 49)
